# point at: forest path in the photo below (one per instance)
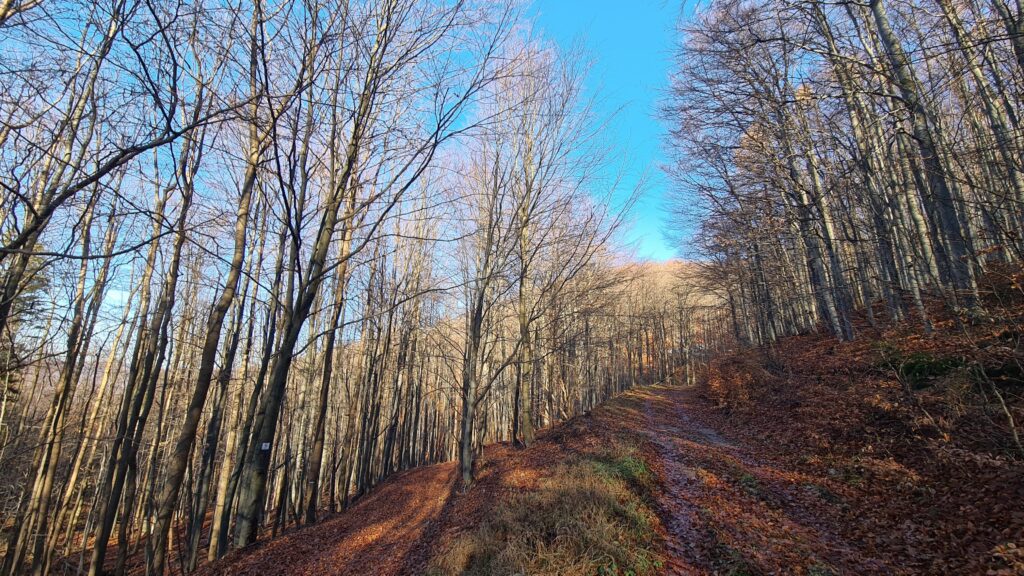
(726, 509)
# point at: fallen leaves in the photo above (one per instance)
(922, 486)
(813, 461)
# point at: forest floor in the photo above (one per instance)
(872, 457)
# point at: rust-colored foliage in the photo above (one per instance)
(880, 456)
(403, 524)
(887, 455)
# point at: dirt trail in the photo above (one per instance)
(726, 511)
(680, 515)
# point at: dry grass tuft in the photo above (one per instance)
(588, 517)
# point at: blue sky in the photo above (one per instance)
(630, 44)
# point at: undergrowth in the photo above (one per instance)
(588, 516)
(917, 370)
(974, 390)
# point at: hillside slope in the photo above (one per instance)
(586, 477)
(818, 458)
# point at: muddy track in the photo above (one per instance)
(726, 511)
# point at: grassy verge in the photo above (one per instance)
(589, 516)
